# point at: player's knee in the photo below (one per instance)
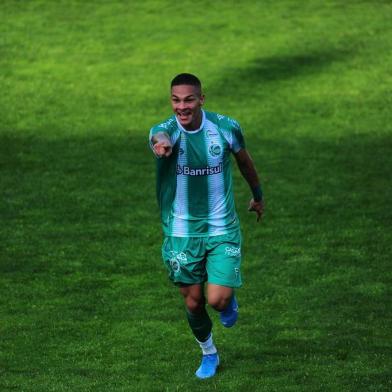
(218, 302)
(194, 298)
(194, 304)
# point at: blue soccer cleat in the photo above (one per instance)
(209, 365)
(229, 316)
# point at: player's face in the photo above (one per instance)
(186, 102)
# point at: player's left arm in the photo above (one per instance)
(248, 171)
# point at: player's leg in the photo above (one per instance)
(222, 299)
(201, 326)
(223, 267)
(219, 296)
(193, 296)
(185, 260)
(198, 319)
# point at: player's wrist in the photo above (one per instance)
(257, 193)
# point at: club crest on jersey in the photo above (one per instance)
(215, 150)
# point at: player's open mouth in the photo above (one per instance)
(184, 116)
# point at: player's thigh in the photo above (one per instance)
(224, 260)
(184, 259)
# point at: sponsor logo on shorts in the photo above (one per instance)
(175, 265)
(203, 171)
(176, 260)
(232, 251)
(182, 257)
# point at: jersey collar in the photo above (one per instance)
(203, 120)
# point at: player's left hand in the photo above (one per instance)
(258, 207)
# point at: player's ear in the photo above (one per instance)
(202, 99)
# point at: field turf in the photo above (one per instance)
(85, 304)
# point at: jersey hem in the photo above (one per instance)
(200, 235)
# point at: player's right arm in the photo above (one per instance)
(161, 145)
(246, 166)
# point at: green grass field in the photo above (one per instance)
(85, 304)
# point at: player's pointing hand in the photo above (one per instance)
(163, 149)
(162, 145)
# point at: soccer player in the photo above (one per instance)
(202, 239)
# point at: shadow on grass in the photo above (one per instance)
(274, 69)
(77, 194)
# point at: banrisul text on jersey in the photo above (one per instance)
(205, 171)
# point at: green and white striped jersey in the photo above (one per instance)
(194, 184)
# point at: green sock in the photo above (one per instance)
(200, 323)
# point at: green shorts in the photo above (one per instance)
(193, 260)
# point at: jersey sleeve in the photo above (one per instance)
(232, 132)
(237, 137)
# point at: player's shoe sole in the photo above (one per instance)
(229, 316)
(208, 367)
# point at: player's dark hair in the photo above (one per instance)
(186, 78)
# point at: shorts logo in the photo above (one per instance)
(182, 257)
(175, 265)
(232, 251)
(176, 259)
(215, 150)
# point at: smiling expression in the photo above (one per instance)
(186, 101)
